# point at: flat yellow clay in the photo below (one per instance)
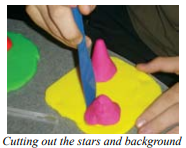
(133, 90)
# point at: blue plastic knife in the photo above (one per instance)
(85, 64)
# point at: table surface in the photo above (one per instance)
(27, 112)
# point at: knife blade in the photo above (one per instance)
(85, 65)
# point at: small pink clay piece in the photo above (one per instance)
(104, 68)
(102, 111)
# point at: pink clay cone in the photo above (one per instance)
(104, 68)
(103, 111)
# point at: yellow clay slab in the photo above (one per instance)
(133, 90)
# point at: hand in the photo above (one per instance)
(58, 21)
(164, 112)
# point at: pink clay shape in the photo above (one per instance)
(102, 111)
(104, 68)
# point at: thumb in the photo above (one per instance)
(86, 9)
(160, 64)
(88, 42)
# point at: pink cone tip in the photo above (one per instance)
(104, 68)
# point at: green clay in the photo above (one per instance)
(22, 60)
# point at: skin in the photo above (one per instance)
(58, 21)
(164, 112)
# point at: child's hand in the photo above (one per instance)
(58, 21)
(164, 112)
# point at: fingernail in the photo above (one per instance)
(140, 123)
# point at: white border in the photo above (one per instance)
(3, 81)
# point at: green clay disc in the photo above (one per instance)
(22, 60)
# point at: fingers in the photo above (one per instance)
(161, 122)
(170, 65)
(175, 130)
(163, 113)
(32, 11)
(51, 27)
(165, 101)
(59, 22)
(62, 18)
(39, 14)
